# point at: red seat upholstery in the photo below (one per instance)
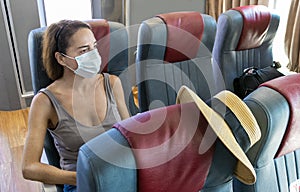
(166, 144)
(256, 21)
(179, 25)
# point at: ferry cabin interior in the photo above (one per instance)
(155, 47)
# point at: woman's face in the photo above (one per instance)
(81, 42)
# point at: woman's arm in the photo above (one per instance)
(119, 96)
(41, 111)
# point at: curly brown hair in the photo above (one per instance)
(56, 39)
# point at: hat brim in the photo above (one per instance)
(244, 169)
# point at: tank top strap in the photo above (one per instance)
(108, 90)
(55, 102)
(112, 114)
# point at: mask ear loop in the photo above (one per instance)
(64, 55)
(69, 68)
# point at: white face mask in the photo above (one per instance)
(88, 63)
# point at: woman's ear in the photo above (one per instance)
(60, 58)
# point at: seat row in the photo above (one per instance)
(188, 48)
(150, 152)
(174, 49)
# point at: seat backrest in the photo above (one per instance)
(244, 39)
(276, 156)
(170, 148)
(153, 151)
(112, 40)
(174, 49)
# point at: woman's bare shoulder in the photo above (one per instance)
(113, 79)
(41, 104)
(40, 99)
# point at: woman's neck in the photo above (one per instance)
(70, 79)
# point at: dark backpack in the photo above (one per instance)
(252, 78)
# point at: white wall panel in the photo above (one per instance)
(139, 10)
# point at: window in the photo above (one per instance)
(282, 9)
(56, 10)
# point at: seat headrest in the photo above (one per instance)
(166, 145)
(256, 21)
(185, 30)
(101, 30)
(289, 87)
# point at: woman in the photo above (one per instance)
(79, 105)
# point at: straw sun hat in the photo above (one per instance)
(244, 170)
